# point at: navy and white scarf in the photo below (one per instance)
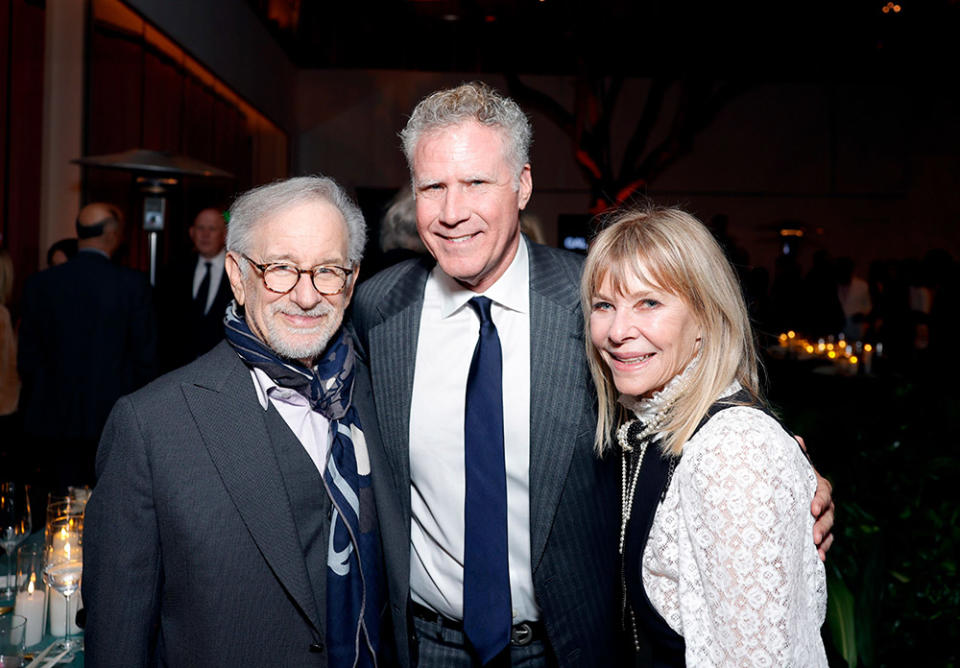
(353, 553)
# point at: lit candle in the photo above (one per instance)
(30, 604)
(61, 540)
(57, 603)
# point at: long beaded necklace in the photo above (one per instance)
(634, 436)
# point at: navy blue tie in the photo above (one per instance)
(487, 617)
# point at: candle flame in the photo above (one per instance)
(31, 584)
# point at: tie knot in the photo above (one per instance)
(482, 306)
(208, 264)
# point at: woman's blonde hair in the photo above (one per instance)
(675, 252)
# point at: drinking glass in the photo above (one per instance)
(12, 632)
(63, 506)
(15, 526)
(63, 566)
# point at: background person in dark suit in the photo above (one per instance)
(468, 152)
(220, 532)
(193, 295)
(87, 336)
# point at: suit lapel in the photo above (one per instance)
(556, 367)
(234, 431)
(393, 354)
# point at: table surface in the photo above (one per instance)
(37, 538)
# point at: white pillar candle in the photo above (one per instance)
(56, 616)
(30, 604)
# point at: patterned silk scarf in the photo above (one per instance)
(353, 556)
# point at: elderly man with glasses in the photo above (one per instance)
(234, 522)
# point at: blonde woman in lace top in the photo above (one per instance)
(718, 565)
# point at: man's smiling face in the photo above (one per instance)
(469, 199)
(297, 325)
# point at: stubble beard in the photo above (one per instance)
(313, 340)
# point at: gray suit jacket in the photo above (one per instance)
(191, 554)
(574, 509)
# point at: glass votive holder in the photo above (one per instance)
(12, 635)
(31, 601)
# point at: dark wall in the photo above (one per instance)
(138, 97)
(21, 118)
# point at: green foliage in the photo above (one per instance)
(891, 451)
(842, 619)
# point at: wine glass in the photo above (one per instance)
(63, 566)
(15, 526)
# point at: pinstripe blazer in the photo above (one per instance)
(192, 555)
(573, 496)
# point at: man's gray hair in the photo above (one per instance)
(474, 101)
(256, 206)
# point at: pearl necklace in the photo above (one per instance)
(629, 433)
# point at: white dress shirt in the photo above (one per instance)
(449, 329)
(310, 427)
(216, 273)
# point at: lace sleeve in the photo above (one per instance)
(751, 588)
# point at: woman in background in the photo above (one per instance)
(718, 565)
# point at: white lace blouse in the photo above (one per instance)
(730, 563)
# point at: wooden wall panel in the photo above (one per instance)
(114, 110)
(115, 91)
(144, 93)
(5, 6)
(198, 125)
(22, 148)
(162, 102)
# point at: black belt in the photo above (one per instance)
(521, 634)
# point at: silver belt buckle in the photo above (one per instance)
(521, 634)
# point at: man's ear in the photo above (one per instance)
(235, 274)
(526, 186)
(351, 283)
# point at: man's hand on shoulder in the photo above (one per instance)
(822, 508)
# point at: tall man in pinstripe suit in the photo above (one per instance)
(468, 152)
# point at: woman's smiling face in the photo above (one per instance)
(645, 335)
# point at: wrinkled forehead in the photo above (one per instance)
(308, 228)
(462, 140)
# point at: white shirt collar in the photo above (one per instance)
(217, 260)
(266, 389)
(510, 291)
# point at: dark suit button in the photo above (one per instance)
(317, 648)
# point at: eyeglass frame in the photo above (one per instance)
(262, 268)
